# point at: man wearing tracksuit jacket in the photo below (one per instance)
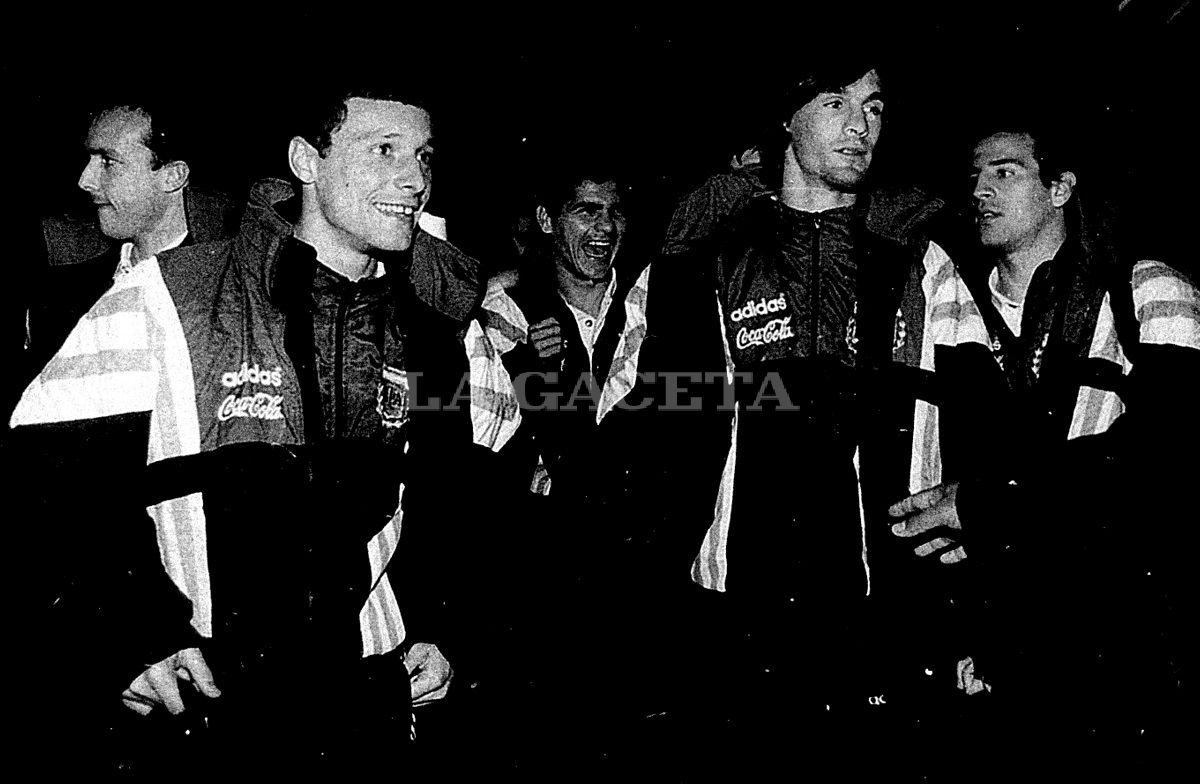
(1077, 385)
(611, 529)
(294, 378)
(821, 291)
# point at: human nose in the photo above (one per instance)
(856, 123)
(88, 178)
(412, 177)
(605, 223)
(983, 188)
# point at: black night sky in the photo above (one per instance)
(676, 96)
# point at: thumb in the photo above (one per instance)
(193, 661)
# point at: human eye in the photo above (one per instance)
(384, 148)
(108, 162)
(833, 102)
(875, 109)
(425, 156)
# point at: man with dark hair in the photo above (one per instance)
(137, 178)
(291, 376)
(821, 288)
(1083, 371)
(564, 365)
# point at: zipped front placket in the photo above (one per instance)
(815, 302)
(339, 336)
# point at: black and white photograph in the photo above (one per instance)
(801, 393)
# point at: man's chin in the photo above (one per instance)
(846, 180)
(394, 243)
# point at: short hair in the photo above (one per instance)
(164, 135)
(1050, 149)
(826, 75)
(561, 171)
(323, 112)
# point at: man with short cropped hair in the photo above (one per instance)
(288, 375)
(821, 285)
(1083, 368)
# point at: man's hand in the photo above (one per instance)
(925, 511)
(429, 673)
(547, 338)
(967, 682)
(157, 685)
(748, 158)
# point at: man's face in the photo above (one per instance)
(1012, 205)
(587, 230)
(374, 181)
(127, 192)
(834, 134)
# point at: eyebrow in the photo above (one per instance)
(875, 96)
(374, 133)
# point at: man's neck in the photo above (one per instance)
(585, 295)
(331, 251)
(165, 234)
(1016, 267)
(801, 192)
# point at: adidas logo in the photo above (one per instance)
(252, 375)
(763, 307)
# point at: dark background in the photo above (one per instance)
(674, 95)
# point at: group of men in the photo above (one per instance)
(831, 467)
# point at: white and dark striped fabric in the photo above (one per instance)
(128, 354)
(711, 567)
(501, 326)
(495, 412)
(379, 622)
(952, 318)
(1167, 308)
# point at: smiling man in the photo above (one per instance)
(285, 375)
(564, 394)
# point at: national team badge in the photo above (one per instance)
(392, 399)
(852, 330)
(900, 332)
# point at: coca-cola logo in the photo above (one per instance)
(773, 331)
(260, 405)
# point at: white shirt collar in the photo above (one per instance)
(590, 326)
(126, 261)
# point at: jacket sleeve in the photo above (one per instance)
(1144, 461)
(445, 278)
(702, 213)
(94, 578)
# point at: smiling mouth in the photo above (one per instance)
(986, 217)
(856, 152)
(597, 249)
(394, 210)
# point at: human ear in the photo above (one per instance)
(302, 160)
(543, 219)
(175, 176)
(1062, 189)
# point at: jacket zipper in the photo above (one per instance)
(338, 337)
(816, 288)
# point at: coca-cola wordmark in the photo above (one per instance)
(773, 331)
